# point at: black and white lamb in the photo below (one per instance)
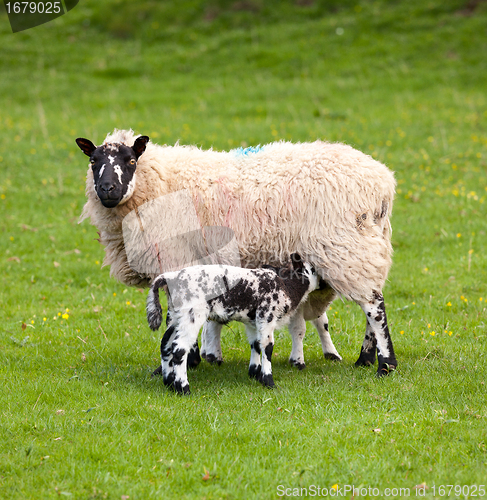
(263, 299)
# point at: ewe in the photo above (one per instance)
(328, 202)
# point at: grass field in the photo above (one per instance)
(404, 81)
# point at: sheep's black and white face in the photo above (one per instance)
(114, 167)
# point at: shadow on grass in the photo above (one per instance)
(209, 379)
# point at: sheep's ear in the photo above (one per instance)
(86, 146)
(139, 145)
(297, 261)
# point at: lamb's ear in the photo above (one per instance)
(86, 146)
(139, 145)
(297, 261)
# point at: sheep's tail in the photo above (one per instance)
(153, 307)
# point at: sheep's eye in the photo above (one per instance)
(132, 162)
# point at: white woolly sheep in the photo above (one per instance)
(262, 299)
(328, 202)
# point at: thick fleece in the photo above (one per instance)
(328, 202)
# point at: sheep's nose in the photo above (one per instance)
(107, 187)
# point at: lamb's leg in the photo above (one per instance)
(297, 329)
(267, 346)
(313, 309)
(194, 358)
(377, 336)
(254, 365)
(166, 369)
(184, 338)
(210, 342)
(179, 360)
(329, 351)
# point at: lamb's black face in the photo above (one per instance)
(113, 168)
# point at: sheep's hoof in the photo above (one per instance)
(254, 371)
(332, 357)
(157, 372)
(169, 380)
(385, 369)
(212, 359)
(366, 358)
(267, 381)
(180, 388)
(194, 358)
(297, 364)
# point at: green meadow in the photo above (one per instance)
(81, 418)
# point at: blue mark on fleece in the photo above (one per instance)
(247, 151)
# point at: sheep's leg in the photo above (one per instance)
(186, 334)
(313, 309)
(267, 346)
(297, 329)
(189, 324)
(179, 360)
(329, 351)
(157, 372)
(377, 336)
(254, 365)
(210, 342)
(369, 346)
(194, 358)
(166, 369)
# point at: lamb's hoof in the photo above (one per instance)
(194, 358)
(169, 380)
(366, 358)
(297, 364)
(180, 388)
(385, 369)
(254, 371)
(212, 359)
(157, 372)
(267, 381)
(332, 357)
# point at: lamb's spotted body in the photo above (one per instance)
(262, 299)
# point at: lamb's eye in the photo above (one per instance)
(132, 162)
